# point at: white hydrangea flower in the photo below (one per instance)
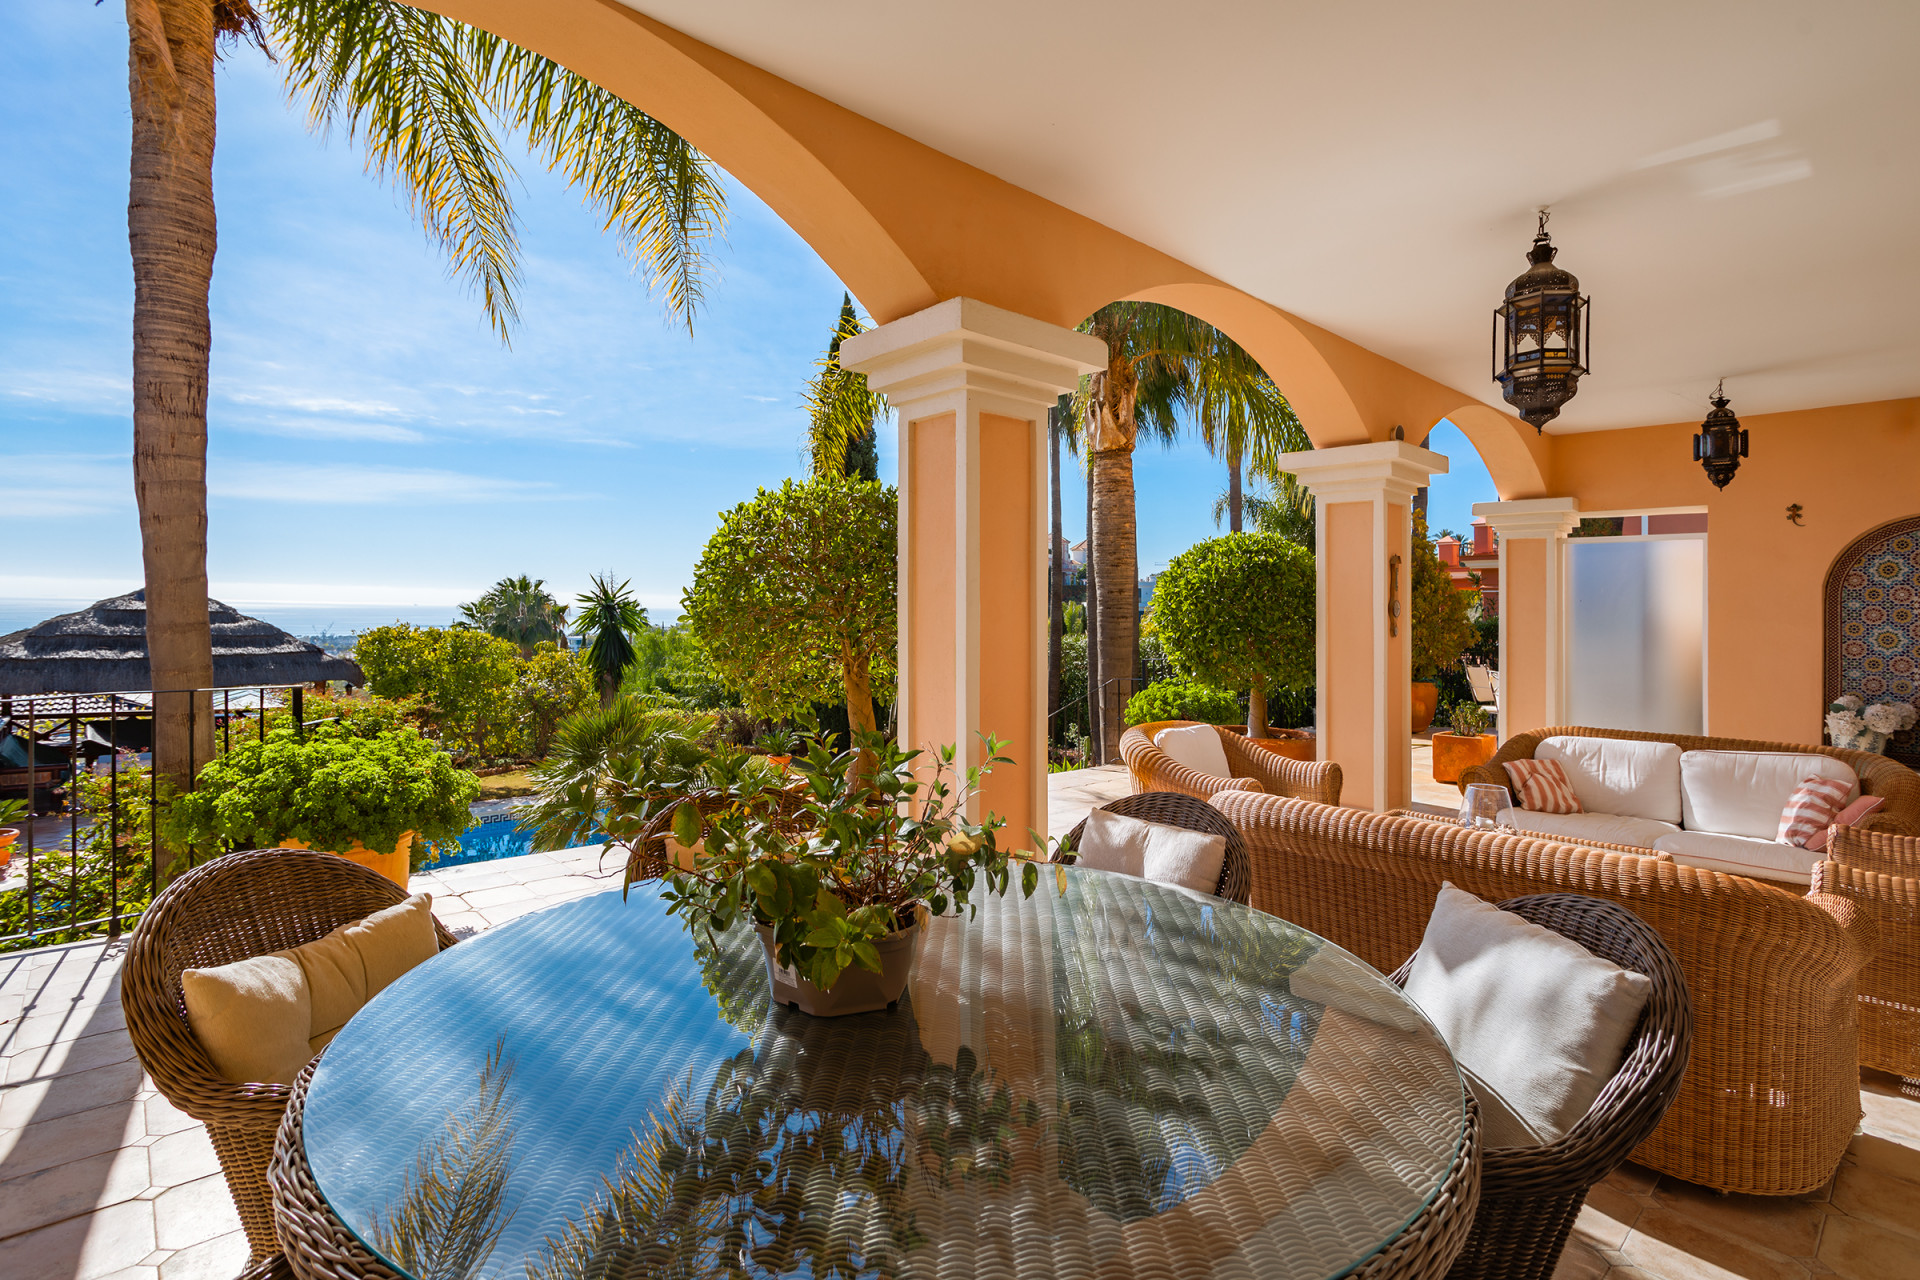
(1844, 726)
(1882, 718)
(1851, 701)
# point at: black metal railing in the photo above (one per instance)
(51, 885)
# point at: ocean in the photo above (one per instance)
(300, 619)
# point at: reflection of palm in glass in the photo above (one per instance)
(452, 1208)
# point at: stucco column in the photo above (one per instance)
(972, 385)
(1363, 528)
(1533, 608)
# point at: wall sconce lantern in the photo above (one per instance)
(1722, 441)
(1541, 335)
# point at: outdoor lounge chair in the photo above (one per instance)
(1881, 872)
(241, 905)
(1253, 768)
(1172, 809)
(1530, 1196)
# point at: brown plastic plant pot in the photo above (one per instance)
(856, 990)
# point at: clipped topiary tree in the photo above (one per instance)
(1182, 700)
(1442, 631)
(793, 598)
(1236, 612)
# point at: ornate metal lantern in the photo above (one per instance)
(1722, 441)
(1540, 335)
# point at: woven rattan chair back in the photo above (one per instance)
(1530, 1196)
(245, 904)
(1172, 809)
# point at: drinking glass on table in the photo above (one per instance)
(1482, 804)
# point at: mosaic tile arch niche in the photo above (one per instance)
(1873, 624)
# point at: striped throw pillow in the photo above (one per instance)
(1543, 787)
(1812, 807)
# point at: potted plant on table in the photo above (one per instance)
(387, 800)
(1468, 745)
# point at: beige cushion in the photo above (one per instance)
(1500, 1124)
(1152, 851)
(261, 1019)
(1619, 775)
(1741, 855)
(1741, 793)
(1197, 746)
(1606, 828)
(1539, 1019)
(253, 1017)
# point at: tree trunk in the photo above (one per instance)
(857, 682)
(1257, 712)
(1235, 497)
(1056, 581)
(170, 229)
(1110, 515)
(1093, 635)
(609, 688)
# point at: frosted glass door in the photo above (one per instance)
(1636, 633)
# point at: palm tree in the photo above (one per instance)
(1285, 508)
(841, 411)
(422, 94)
(611, 619)
(518, 609)
(1241, 415)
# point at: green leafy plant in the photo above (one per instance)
(1467, 719)
(113, 868)
(1442, 631)
(551, 685)
(328, 790)
(1237, 612)
(12, 811)
(864, 850)
(1182, 700)
(463, 680)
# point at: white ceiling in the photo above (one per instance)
(1737, 184)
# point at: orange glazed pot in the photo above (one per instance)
(1453, 755)
(1426, 701)
(7, 836)
(391, 865)
(1294, 744)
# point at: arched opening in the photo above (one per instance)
(1872, 625)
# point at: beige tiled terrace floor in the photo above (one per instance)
(99, 1177)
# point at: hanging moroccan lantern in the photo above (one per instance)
(1722, 441)
(1541, 335)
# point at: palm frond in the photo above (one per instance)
(841, 409)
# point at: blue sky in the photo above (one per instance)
(371, 443)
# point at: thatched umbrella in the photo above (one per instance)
(103, 649)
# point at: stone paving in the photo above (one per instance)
(100, 1179)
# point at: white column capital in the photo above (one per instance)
(1531, 517)
(966, 345)
(1392, 469)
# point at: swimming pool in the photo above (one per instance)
(493, 839)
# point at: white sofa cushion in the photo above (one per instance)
(1741, 855)
(1110, 842)
(1534, 1016)
(1607, 828)
(1197, 746)
(1742, 793)
(1620, 775)
(1152, 851)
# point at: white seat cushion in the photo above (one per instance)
(1741, 855)
(1197, 746)
(1152, 851)
(1110, 842)
(1607, 828)
(1742, 793)
(1536, 1017)
(1619, 775)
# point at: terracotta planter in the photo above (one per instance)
(7, 836)
(391, 865)
(1453, 755)
(1426, 701)
(1294, 744)
(855, 990)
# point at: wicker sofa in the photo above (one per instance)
(1771, 1098)
(1254, 769)
(1881, 872)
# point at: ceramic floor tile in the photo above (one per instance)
(192, 1214)
(221, 1258)
(64, 1094)
(1675, 1246)
(86, 1248)
(71, 1137)
(71, 1190)
(183, 1157)
(65, 1056)
(1785, 1225)
(162, 1118)
(1866, 1251)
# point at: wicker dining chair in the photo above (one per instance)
(1530, 1196)
(1172, 809)
(241, 905)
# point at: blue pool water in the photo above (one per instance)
(492, 839)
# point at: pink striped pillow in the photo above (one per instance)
(1811, 809)
(1543, 787)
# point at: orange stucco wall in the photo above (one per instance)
(930, 719)
(1010, 526)
(1347, 546)
(1523, 586)
(1398, 693)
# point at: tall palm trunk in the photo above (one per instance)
(1235, 498)
(170, 228)
(1111, 516)
(1056, 578)
(1093, 634)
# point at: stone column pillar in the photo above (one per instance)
(972, 385)
(1533, 608)
(1363, 527)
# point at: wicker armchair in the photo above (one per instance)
(1881, 873)
(1879, 776)
(1530, 1196)
(1172, 809)
(1254, 769)
(245, 904)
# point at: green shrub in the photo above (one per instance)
(1182, 700)
(463, 679)
(327, 790)
(1442, 631)
(69, 889)
(1237, 612)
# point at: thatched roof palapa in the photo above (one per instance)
(103, 649)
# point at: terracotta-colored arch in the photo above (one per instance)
(1514, 454)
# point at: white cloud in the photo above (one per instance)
(352, 484)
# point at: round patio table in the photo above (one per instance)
(1111, 1078)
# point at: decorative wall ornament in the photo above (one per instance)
(1541, 334)
(1722, 442)
(1873, 625)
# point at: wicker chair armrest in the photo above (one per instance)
(1859, 935)
(1281, 775)
(1155, 770)
(1839, 879)
(1872, 849)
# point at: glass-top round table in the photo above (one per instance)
(1110, 1078)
